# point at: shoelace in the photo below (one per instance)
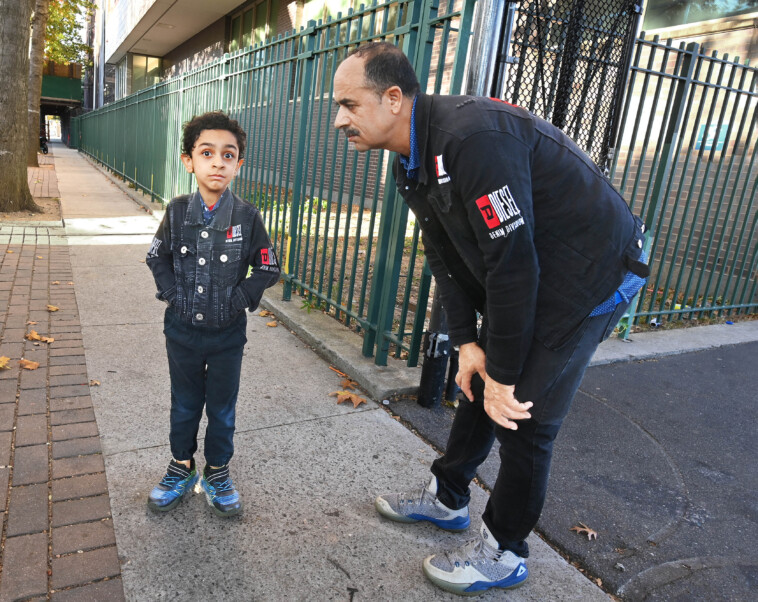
(222, 486)
(472, 553)
(416, 500)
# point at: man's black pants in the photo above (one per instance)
(549, 380)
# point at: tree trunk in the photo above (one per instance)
(14, 78)
(36, 60)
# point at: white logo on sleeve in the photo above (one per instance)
(442, 177)
(500, 212)
(154, 246)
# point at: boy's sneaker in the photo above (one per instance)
(476, 567)
(175, 483)
(422, 505)
(220, 491)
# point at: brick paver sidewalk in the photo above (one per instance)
(43, 182)
(57, 534)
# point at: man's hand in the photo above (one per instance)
(471, 361)
(502, 406)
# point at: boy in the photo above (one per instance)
(199, 259)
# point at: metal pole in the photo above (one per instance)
(478, 79)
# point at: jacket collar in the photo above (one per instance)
(223, 218)
(423, 114)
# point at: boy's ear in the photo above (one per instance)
(239, 164)
(187, 160)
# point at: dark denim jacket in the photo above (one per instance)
(202, 271)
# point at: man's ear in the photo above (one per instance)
(395, 98)
(187, 160)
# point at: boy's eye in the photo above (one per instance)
(206, 153)
(228, 155)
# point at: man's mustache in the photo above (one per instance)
(351, 132)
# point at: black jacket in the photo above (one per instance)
(517, 222)
(202, 271)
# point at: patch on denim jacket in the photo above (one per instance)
(234, 233)
(154, 246)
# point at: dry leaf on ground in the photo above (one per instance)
(343, 396)
(70, 283)
(55, 282)
(264, 313)
(28, 364)
(272, 324)
(346, 383)
(30, 323)
(582, 528)
(52, 308)
(94, 383)
(9, 251)
(4, 363)
(40, 257)
(142, 261)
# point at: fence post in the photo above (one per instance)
(306, 58)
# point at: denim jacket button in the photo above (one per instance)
(200, 289)
(201, 261)
(223, 258)
(199, 316)
(183, 250)
(204, 234)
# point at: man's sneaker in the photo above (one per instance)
(422, 505)
(220, 491)
(476, 567)
(170, 491)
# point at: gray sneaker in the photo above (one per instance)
(476, 567)
(422, 505)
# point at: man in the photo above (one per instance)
(520, 226)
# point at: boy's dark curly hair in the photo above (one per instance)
(215, 120)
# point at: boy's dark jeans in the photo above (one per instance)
(204, 365)
(549, 380)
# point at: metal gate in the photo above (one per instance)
(568, 62)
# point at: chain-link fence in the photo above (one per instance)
(568, 62)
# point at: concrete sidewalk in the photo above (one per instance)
(307, 468)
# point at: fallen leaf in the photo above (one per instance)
(40, 257)
(342, 374)
(142, 261)
(28, 364)
(32, 336)
(30, 323)
(265, 312)
(47, 339)
(94, 383)
(52, 308)
(272, 324)
(343, 396)
(346, 383)
(55, 282)
(70, 283)
(9, 251)
(4, 363)
(599, 582)
(582, 528)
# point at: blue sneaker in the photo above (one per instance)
(220, 491)
(175, 483)
(476, 567)
(422, 505)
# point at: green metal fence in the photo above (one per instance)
(687, 163)
(345, 239)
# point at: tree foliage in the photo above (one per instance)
(63, 42)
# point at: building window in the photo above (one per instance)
(146, 71)
(254, 25)
(665, 13)
(322, 9)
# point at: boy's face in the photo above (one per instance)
(214, 161)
